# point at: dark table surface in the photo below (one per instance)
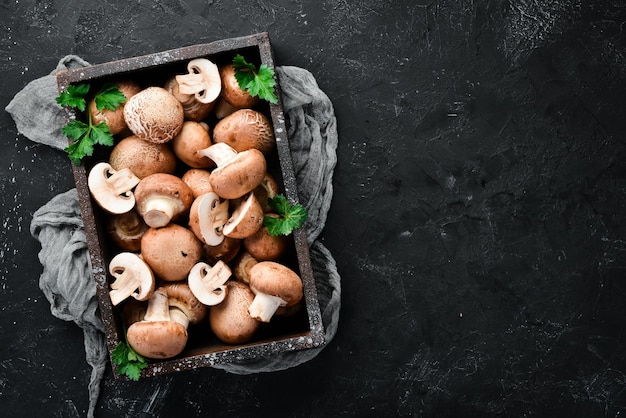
(478, 217)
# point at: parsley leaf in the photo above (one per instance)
(257, 82)
(74, 96)
(289, 217)
(109, 97)
(129, 362)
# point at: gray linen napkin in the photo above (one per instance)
(66, 279)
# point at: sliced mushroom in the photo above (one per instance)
(274, 285)
(193, 137)
(133, 277)
(162, 198)
(203, 80)
(192, 108)
(207, 283)
(237, 173)
(230, 320)
(142, 157)
(207, 217)
(245, 129)
(171, 251)
(154, 115)
(126, 230)
(112, 189)
(246, 219)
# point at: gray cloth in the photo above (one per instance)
(66, 279)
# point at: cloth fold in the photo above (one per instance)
(66, 280)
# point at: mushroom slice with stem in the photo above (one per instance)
(162, 198)
(112, 189)
(207, 217)
(208, 283)
(246, 219)
(157, 335)
(237, 173)
(274, 285)
(133, 277)
(203, 80)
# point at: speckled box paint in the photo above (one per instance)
(300, 332)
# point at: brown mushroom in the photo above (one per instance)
(274, 285)
(192, 108)
(114, 118)
(154, 115)
(207, 217)
(126, 230)
(198, 181)
(237, 173)
(246, 219)
(162, 198)
(208, 283)
(245, 129)
(226, 251)
(230, 320)
(142, 157)
(133, 277)
(242, 265)
(157, 335)
(182, 298)
(171, 251)
(233, 97)
(193, 137)
(268, 189)
(263, 246)
(112, 189)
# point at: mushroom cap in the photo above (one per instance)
(230, 320)
(207, 217)
(263, 246)
(275, 279)
(232, 93)
(245, 129)
(114, 118)
(171, 251)
(154, 115)
(246, 219)
(126, 230)
(242, 265)
(112, 189)
(226, 251)
(239, 175)
(181, 297)
(193, 137)
(142, 157)
(157, 339)
(198, 181)
(162, 198)
(192, 109)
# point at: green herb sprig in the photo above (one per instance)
(85, 135)
(259, 82)
(289, 217)
(129, 362)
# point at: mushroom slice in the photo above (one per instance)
(203, 80)
(158, 335)
(207, 283)
(274, 285)
(246, 219)
(207, 217)
(111, 189)
(237, 173)
(133, 277)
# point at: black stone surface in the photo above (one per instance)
(478, 218)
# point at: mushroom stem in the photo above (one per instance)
(158, 307)
(123, 287)
(264, 306)
(159, 211)
(177, 315)
(220, 153)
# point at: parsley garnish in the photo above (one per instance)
(129, 362)
(289, 216)
(258, 83)
(85, 135)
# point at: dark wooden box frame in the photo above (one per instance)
(296, 334)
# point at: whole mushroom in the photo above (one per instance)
(126, 230)
(181, 298)
(274, 285)
(114, 118)
(245, 129)
(162, 198)
(230, 320)
(264, 246)
(142, 157)
(233, 97)
(171, 251)
(193, 137)
(198, 181)
(154, 115)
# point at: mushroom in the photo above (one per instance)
(203, 80)
(242, 266)
(193, 137)
(230, 320)
(268, 189)
(142, 157)
(237, 173)
(274, 285)
(171, 251)
(207, 217)
(183, 299)
(245, 129)
(162, 198)
(112, 189)
(133, 277)
(264, 246)
(226, 251)
(207, 283)
(246, 219)
(114, 119)
(198, 181)
(233, 97)
(126, 230)
(154, 115)
(157, 335)
(192, 108)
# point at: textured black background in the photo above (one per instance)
(478, 217)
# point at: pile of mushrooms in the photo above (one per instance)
(185, 192)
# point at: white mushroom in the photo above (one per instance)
(133, 277)
(203, 80)
(208, 284)
(207, 217)
(112, 189)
